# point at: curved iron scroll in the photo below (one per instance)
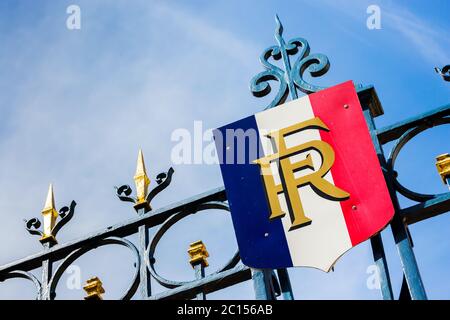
(444, 72)
(25, 275)
(163, 180)
(398, 146)
(65, 215)
(78, 253)
(289, 79)
(149, 256)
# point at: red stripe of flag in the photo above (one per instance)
(356, 168)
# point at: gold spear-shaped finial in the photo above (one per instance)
(142, 182)
(49, 215)
(94, 289)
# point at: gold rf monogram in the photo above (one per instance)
(289, 183)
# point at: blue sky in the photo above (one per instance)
(77, 105)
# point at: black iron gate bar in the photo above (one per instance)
(267, 283)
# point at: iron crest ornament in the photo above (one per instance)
(444, 72)
(291, 78)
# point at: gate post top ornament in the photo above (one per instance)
(444, 72)
(142, 182)
(49, 216)
(291, 78)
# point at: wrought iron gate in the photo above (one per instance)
(268, 284)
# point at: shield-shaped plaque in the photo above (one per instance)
(303, 181)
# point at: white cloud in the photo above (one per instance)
(429, 40)
(205, 32)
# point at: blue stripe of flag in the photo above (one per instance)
(262, 243)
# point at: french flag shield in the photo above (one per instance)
(303, 181)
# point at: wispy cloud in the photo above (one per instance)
(205, 32)
(430, 41)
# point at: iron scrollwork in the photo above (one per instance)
(398, 146)
(24, 275)
(131, 290)
(444, 72)
(290, 79)
(65, 214)
(32, 226)
(163, 180)
(150, 252)
(143, 197)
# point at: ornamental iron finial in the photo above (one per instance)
(443, 167)
(94, 289)
(198, 254)
(444, 72)
(291, 78)
(49, 216)
(142, 182)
